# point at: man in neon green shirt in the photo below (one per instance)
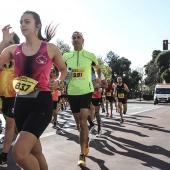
(80, 88)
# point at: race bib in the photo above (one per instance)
(108, 93)
(24, 85)
(121, 95)
(78, 73)
(103, 96)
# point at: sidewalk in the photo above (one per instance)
(138, 100)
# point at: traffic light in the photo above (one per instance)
(165, 44)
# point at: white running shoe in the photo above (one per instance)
(91, 129)
(99, 133)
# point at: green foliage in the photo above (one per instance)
(162, 61)
(166, 75)
(148, 97)
(152, 73)
(106, 70)
(120, 66)
(155, 54)
(63, 47)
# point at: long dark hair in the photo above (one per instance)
(16, 39)
(49, 30)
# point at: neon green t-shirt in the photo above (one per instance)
(80, 62)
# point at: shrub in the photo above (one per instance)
(147, 96)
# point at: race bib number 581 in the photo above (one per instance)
(78, 73)
(24, 85)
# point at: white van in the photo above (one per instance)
(162, 93)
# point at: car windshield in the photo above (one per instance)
(163, 91)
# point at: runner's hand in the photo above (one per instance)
(53, 84)
(7, 37)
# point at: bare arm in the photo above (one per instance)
(7, 54)
(115, 91)
(126, 88)
(98, 70)
(57, 58)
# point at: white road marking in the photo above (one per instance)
(145, 110)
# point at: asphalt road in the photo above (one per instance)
(141, 143)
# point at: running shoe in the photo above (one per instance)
(99, 133)
(62, 107)
(124, 112)
(55, 125)
(122, 120)
(107, 114)
(87, 147)
(91, 128)
(82, 160)
(3, 160)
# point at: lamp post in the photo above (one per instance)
(140, 89)
(115, 75)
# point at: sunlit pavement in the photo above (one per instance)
(140, 143)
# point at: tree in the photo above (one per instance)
(152, 71)
(63, 47)
(106, 70)
(118, 65)
(163, 63)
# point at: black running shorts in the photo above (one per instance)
(33, 114)
(110, 99)
(123, 101)
(55, 105)
(8, 106)
(79, 101)
(96, 101)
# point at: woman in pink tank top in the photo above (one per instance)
(33, 105)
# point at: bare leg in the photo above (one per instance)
(83, 129)
(81, 121)
(26, 150)
(37, 152)
(111, 107)
(9, 134)
(107, 103)
(92, 112)
(120, 110)
(97, 112)
(125, 107)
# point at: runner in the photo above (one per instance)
(33, 104)
(103, 99)
(109, 98)
(80, 88)
(8, 97)
(55, 99)
(120, 91)
(97, 100)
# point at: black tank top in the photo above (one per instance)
(120, 88)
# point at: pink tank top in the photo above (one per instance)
(37, 67)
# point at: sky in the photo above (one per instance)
(130, 28)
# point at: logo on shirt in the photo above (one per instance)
(41, 59)
(18, 53)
